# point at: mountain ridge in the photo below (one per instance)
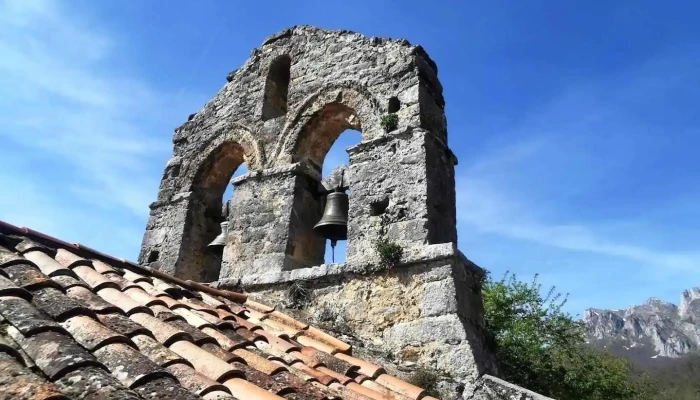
(650, 332)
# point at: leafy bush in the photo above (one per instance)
(542, 348)
(390, 122)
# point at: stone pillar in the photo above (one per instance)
(402, 183)
(272, 213)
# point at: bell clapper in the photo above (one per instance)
(333, 243)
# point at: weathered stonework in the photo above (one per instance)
(279, 114)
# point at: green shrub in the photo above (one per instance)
(390, 253)
(390, 122)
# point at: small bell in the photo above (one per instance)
(220, 240)
(334, 222)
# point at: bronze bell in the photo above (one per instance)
(334, 222)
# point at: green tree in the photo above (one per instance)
(542, 348)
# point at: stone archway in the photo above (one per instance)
(323, 116)
(207, 177)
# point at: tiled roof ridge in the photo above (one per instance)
(47, 239)
(136, 336)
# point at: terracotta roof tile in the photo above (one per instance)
(70, 260)
(258, 363)
(18, 382)
(209, 317)
(217, 395)
(399, 386)
(165, 333)
(91, 300)
(310, 342)
(224, 341)
(123, 283)
(161, 337)
(28, 277)
(140, 296)
(322, 378)
(348, 394)
(212, 301)
(328, 339)
(366, 367)
(287, 320)
(124, 302)
(192, 318)
(247, 391)
(172, 303)
(103, 268)
(164, 314)
(254, 305)
(220, 353)
(9, 257)
(96, 280)
(68, 282)
(156, 352)
(129, 366)
(57, 305)
(372, 394)
(25, 317)
(46, 264)
(123, 325)
(9, 349)
(165, 388)
(205, 362)
(344, 379)
(94, 383)
(84, 296)
(370, 384)
(150, 289)
(9, 288)
(54, 353)
(249, 335)
(91, 334)
(197, 335)
(194, 381)
(134, 277)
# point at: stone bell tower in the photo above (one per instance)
(279, 114)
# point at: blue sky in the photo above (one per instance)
(575, 123)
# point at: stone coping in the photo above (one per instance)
(425, 254)
(302, 167)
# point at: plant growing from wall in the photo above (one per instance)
(298, 294)
(390, 122)
(425, 379)
(389, 252)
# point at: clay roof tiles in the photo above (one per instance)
(76, 323)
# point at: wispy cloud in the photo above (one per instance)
(83, 140)
(553, 179)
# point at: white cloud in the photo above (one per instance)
(586, 137)
(84, 142)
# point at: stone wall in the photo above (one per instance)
(423, 314)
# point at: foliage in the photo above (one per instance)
(680, 381)
(390, 253)
(390, 122)
(542, 348)
(426, 379)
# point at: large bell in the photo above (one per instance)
(220, 240)
(334, 222)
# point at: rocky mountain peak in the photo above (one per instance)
(650, 330)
